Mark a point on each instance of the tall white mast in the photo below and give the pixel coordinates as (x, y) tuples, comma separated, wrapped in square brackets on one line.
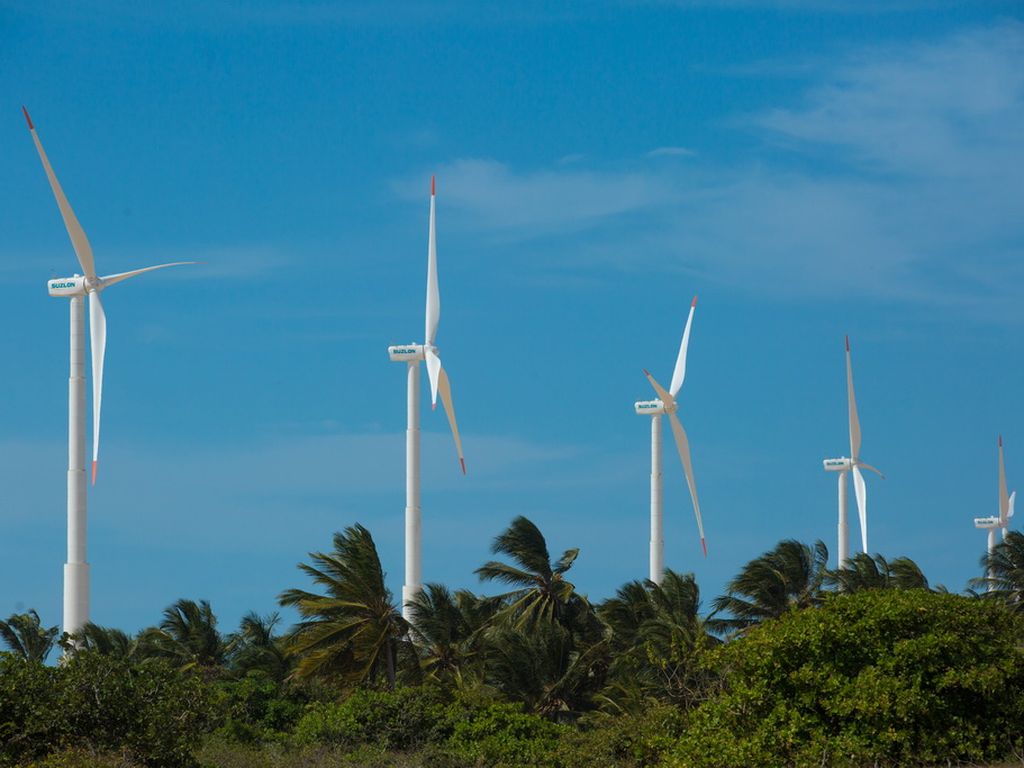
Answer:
[(76, 569)]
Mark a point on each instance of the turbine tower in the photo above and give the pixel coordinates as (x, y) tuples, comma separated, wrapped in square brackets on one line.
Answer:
[(853, 463), (666, 404), (75, 288), (411, 355), (1002, 520)]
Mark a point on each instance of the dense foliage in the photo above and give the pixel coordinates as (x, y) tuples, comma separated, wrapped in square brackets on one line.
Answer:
[(796, 665)]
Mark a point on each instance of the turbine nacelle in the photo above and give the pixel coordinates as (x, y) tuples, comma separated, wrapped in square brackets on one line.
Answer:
[(410, 353), (66, 287), (987, 522), (649, 407), (838, 465)]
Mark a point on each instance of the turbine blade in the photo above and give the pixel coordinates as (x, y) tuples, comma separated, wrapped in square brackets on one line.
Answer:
[(1004, 499), (867, 466), (117, 278), (433, 294), (98, 346), (861, 492), (680, 372), (683, 445), (445, 388), (664, 396), (1009, 506), (78, 239), (854, 421), (433, 373)]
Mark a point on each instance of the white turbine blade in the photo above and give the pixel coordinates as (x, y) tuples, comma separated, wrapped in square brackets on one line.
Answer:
[(98, 346), (861, 492), (433, 373), (664, 396), (1009, 507), (854, 421), (680, 372), (111, 279), (864, 465), (683, 445), (433, 294), (1004, 499), (445, 388), (78, 239)]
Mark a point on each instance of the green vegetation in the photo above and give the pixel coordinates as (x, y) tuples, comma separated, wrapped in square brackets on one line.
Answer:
[(796, 665)]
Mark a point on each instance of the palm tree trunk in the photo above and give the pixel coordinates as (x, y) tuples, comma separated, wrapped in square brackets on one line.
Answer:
[(390, 660)]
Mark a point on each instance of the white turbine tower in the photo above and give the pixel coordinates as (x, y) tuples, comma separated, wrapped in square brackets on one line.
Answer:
[(666, 403), (411, 355), (1002, 520), (75, 288), (844, 465)]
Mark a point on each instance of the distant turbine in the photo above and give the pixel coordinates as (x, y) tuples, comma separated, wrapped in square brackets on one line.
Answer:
[(655, 408), (76, 569), (844, 465), (1002, 520), (411, 354)]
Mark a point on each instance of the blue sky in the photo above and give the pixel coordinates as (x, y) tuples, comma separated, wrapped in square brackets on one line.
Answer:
[(810, 168)]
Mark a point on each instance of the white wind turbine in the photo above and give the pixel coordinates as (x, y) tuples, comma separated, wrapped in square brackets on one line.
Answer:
[(76, 569), (411, 355), (843, 465), (1002, 520), (666, 403)]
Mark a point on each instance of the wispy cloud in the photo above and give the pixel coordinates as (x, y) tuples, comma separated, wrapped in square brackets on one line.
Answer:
[(671, 152), (895, 176)]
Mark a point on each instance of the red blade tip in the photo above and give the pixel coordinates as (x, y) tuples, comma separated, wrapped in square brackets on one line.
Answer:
[(28, 119), (646, 373), (433, 406), (704, 546), (433, 186), (847, 343), (694, 302), (94, 472), (1000, 441), (462, 461)]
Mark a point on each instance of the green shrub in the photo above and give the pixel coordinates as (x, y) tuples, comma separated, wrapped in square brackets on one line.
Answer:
[(402, 720), (502, 735), (28, 727), (887, 677)]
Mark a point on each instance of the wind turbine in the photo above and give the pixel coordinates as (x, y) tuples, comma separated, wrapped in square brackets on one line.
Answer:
[(75, 288), (411, 355), (1002, 520), (666, 403), (843, 465)]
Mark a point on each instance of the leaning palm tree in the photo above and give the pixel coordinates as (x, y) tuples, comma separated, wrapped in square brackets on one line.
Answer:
[(862, 571), (105, 641), (25, 636), (789, 576), (448, 629), (541, 593), (656, 633), (1004, 569), (188, 636), (255, 646), (354, 628)]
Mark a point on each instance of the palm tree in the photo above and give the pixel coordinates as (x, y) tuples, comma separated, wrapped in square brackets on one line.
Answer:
[(448, 631), (25, 636), (1004, 569), (789, 576), (106, 641), (541, 592), (656, 632), (255, 646), (187, 635), (863, 571), (354, 628)]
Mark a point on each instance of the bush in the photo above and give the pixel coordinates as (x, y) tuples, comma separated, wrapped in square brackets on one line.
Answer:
[(502, 735), (887, 677), (401, 720), (28, 727), (257, 708)]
